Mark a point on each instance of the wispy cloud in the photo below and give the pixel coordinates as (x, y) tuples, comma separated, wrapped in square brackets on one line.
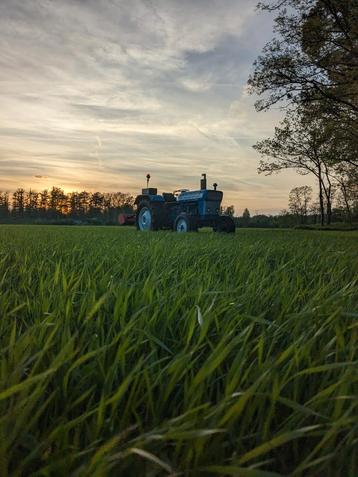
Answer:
[(94, 94)]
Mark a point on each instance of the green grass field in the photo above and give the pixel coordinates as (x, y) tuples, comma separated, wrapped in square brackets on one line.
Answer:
[(132, 354)]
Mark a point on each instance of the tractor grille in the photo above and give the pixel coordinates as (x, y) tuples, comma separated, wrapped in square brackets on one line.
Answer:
[(211, 207)]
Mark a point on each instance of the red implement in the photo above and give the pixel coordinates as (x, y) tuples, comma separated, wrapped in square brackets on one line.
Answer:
[(126, 219)]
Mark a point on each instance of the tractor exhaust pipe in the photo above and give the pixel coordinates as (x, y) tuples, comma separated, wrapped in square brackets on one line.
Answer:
[(203, 182)]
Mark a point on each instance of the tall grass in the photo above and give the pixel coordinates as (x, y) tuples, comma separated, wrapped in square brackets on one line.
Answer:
[(129, 354)]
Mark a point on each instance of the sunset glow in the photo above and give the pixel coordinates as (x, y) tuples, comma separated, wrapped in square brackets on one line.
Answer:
[(95, 94)]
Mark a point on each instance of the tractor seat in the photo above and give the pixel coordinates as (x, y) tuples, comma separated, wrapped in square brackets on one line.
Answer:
[(169, 197)]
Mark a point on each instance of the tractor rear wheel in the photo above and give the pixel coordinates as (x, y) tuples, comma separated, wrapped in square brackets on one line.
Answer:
[(225, 224), (185, 223), (148, 216)]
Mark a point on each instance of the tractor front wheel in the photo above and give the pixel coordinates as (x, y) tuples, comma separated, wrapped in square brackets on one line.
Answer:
[(185, 223)]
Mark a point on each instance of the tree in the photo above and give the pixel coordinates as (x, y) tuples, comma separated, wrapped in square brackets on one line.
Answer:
[(302, 142), (121, 201), (285, 219), (314, 55), (299, 201), (229, 210), (58, 201), (18, 202), (246, 217), (96, 204), (74, 204), (117, 202), (43, 202), (313, 60), (4, 205), (84, 199), (31, 203), (315, 211), (346, 177)]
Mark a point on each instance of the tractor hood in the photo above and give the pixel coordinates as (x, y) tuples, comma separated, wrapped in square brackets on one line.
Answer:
[(212, 195)]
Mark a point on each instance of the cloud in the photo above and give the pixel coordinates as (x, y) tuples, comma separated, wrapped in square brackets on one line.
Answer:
[(195, 85), (106, 112), (94, 94)]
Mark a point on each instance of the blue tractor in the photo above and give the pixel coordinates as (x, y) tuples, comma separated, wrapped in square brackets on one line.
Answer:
[(183, 210)]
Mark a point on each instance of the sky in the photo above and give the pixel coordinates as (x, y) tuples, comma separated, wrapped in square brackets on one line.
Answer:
[(94, 94)]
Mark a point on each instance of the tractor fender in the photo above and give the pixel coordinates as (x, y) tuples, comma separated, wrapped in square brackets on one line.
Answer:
[(141, 197), (149, 198)]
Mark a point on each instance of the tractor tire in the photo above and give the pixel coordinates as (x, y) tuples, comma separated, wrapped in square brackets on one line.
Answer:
[(148, 216), (185, 223), (225, 224)]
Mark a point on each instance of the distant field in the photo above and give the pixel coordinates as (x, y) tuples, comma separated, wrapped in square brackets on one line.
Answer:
[(130, 354)]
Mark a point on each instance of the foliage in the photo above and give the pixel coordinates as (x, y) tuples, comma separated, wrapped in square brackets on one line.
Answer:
[(346, 177), (246, 217), (299, 201), (311, 68), (168, 354), (229, 210), (304, 143), (246, 214), (313, 57), (56, 206)]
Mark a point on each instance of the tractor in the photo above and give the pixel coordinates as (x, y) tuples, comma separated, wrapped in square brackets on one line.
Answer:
[(182, 210)]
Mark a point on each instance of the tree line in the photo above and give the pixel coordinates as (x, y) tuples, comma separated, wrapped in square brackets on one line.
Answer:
[(303, 210), (343, 205), (56, 206), (310, 69)]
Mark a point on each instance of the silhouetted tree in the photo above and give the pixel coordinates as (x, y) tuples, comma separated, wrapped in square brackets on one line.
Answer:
[(58, 203), (96, 204), (299, 201), (18, 202), (116, 203), (74, 204), (313, 59), (311, 67), (44, 198), (304, 144), (315, 211), (229, 210), (4, 205), (84, 202), (31, 203), (53, 205), (346, 177), (246, 217)]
